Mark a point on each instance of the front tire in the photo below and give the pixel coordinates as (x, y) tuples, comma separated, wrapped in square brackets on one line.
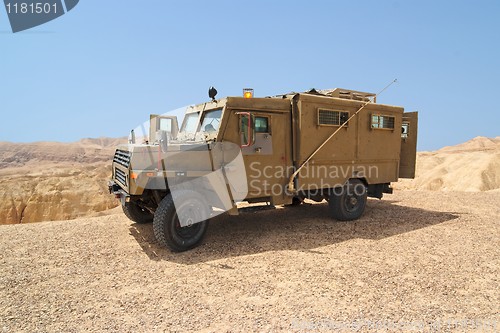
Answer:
[(348, 203), (166, 223), (136, 213)]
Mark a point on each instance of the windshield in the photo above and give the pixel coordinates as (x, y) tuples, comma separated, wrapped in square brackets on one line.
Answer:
[(192, 130), (211, 121), (190, 123)]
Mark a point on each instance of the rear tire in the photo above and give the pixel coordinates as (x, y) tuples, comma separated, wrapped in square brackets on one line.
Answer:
[(348, 203), (136, 213), (166, 225)]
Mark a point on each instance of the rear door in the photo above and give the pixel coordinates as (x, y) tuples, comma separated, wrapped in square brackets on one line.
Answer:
[(408, 156)]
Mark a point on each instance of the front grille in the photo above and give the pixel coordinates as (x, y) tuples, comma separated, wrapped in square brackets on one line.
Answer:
[(122, 157), (120, 176)]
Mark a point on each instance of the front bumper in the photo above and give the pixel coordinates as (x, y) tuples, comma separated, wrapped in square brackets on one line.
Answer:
[(119, 193)]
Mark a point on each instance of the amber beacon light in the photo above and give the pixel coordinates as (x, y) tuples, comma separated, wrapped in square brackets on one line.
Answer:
[(248, 92)]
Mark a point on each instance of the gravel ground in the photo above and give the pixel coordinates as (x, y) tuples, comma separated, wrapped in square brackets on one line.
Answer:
[(416, 261)]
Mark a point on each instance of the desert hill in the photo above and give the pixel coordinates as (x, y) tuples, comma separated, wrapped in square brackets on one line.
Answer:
[(479, 143), (83, 151), (471, 166)]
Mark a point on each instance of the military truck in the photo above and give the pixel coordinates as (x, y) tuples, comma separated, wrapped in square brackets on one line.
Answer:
[(337, 145)]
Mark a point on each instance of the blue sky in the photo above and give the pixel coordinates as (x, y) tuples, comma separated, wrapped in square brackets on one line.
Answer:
[(102, 68)]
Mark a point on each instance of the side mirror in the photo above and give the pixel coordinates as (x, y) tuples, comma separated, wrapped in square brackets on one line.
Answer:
[(131, 137)]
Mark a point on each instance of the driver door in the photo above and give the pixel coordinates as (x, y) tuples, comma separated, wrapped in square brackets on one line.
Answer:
[(266, 152)]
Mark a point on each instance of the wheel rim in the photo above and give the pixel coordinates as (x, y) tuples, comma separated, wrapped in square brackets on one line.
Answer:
[(191, 213), (352, 198), (351, 202)]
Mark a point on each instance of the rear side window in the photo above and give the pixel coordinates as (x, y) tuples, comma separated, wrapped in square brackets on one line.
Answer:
[(382, 122), (332, 117)]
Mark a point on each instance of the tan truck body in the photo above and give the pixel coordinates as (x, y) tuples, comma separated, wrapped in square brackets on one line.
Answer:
[(277, 136)]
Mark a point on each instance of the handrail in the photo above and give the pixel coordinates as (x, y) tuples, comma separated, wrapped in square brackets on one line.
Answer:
[(250, 137)]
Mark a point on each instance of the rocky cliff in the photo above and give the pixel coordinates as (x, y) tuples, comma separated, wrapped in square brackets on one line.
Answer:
[(47, 181)]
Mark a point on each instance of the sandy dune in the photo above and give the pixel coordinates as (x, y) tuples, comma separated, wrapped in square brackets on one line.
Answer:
[(471, 166)]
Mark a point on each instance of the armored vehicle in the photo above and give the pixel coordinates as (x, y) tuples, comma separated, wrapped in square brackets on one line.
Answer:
[(336, 145)]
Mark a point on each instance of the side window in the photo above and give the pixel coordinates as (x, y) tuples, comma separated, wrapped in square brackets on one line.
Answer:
[(382, 122), (250, 125), (261, 125), (166, 124), (332, 117)]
